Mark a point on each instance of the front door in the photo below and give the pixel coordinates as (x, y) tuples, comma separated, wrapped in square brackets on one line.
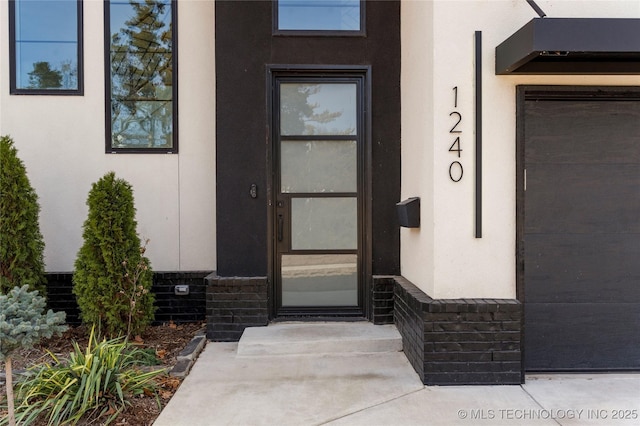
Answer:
[(318, 138)]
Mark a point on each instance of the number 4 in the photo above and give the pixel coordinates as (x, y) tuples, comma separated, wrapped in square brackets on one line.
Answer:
[(455, 147)]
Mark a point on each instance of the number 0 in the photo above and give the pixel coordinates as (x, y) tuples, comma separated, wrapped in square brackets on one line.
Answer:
[(456, 175)]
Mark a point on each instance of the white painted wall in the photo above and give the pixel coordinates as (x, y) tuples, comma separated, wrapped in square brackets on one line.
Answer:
[(442, 257), (61, 141), (417, 175)]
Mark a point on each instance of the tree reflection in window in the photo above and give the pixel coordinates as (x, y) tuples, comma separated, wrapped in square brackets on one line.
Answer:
[(44, 77), (310, 161), (141, 53), (46, 46), (317, 109)]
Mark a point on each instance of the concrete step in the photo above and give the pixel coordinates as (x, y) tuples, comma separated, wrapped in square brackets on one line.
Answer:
[(300, 338)]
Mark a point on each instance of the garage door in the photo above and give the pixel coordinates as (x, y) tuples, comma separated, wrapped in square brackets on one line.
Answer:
[(581, 230)]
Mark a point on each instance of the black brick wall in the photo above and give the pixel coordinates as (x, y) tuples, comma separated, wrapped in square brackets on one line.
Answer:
[(60, 296), (189, 308), (233, 304), (460, 341), (383, 299)]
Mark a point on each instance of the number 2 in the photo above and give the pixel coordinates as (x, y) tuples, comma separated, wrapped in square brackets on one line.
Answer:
[(453, 129)]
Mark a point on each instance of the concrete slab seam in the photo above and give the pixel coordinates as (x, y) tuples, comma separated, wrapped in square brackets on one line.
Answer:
[(536, 401), (369, 407)]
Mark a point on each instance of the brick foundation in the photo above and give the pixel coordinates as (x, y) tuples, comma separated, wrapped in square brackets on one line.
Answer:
[(383, 299), (460, 341), (189, 308), (233, 304)]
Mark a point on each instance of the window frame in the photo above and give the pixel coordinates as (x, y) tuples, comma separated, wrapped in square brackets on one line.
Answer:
[(13, 89), (322, 33), (109, 149)]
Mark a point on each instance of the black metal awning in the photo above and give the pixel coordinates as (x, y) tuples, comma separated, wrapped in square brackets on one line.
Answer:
[(572, 46)]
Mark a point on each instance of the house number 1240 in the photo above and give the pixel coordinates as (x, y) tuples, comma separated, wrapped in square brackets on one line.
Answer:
[(455, 168)]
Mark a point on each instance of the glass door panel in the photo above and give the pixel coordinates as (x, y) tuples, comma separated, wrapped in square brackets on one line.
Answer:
[(319, 280), (318, 228), (318, 109), (319, 166), (324, 223)]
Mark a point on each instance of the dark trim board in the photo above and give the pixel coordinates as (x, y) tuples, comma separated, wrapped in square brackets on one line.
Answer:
[(478, 133), (577, 225)]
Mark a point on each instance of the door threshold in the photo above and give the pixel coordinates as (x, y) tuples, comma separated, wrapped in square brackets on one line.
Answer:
[(316, 318)]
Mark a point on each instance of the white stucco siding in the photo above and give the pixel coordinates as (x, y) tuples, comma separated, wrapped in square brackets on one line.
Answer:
[(61, 140), (442, 257), (417, 256)]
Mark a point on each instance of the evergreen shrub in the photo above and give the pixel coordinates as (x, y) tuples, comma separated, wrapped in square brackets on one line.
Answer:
[(21, 243), (22, 324), (112, 278)]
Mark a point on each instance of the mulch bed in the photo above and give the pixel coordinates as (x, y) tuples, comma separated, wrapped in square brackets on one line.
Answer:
[(167, 340)]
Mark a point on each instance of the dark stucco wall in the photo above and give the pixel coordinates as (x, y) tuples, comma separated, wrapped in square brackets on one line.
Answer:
[(245, 46)]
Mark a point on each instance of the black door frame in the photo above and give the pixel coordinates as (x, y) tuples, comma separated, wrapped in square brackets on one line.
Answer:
[(547, 92), (364, 205)]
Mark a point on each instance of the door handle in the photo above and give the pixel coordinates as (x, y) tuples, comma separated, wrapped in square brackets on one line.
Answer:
[(280, 227)]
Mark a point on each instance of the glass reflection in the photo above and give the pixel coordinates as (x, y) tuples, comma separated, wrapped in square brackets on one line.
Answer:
[(46, 35), (318, 109), (324, 223), (141, 74), (318, 166), (319, 15), (319, 280)]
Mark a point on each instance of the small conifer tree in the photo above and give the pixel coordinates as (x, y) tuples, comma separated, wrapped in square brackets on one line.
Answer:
[(22, 324), (21, 243), (113, 278)]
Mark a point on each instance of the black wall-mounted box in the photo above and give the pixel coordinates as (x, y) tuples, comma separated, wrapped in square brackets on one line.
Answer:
[(409, 212)]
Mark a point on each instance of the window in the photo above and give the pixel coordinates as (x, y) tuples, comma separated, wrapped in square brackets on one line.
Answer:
[(45, 44), (319, 16), (141, 89)]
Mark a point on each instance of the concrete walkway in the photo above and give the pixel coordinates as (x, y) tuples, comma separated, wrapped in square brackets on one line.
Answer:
[(364, 384)]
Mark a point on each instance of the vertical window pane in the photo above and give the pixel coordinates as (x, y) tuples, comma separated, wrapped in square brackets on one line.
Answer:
[(141, 59), (319, 15), (318, 109), (46, 44)]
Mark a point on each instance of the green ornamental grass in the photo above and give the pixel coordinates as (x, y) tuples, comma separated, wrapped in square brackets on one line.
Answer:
[(95, 384)]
